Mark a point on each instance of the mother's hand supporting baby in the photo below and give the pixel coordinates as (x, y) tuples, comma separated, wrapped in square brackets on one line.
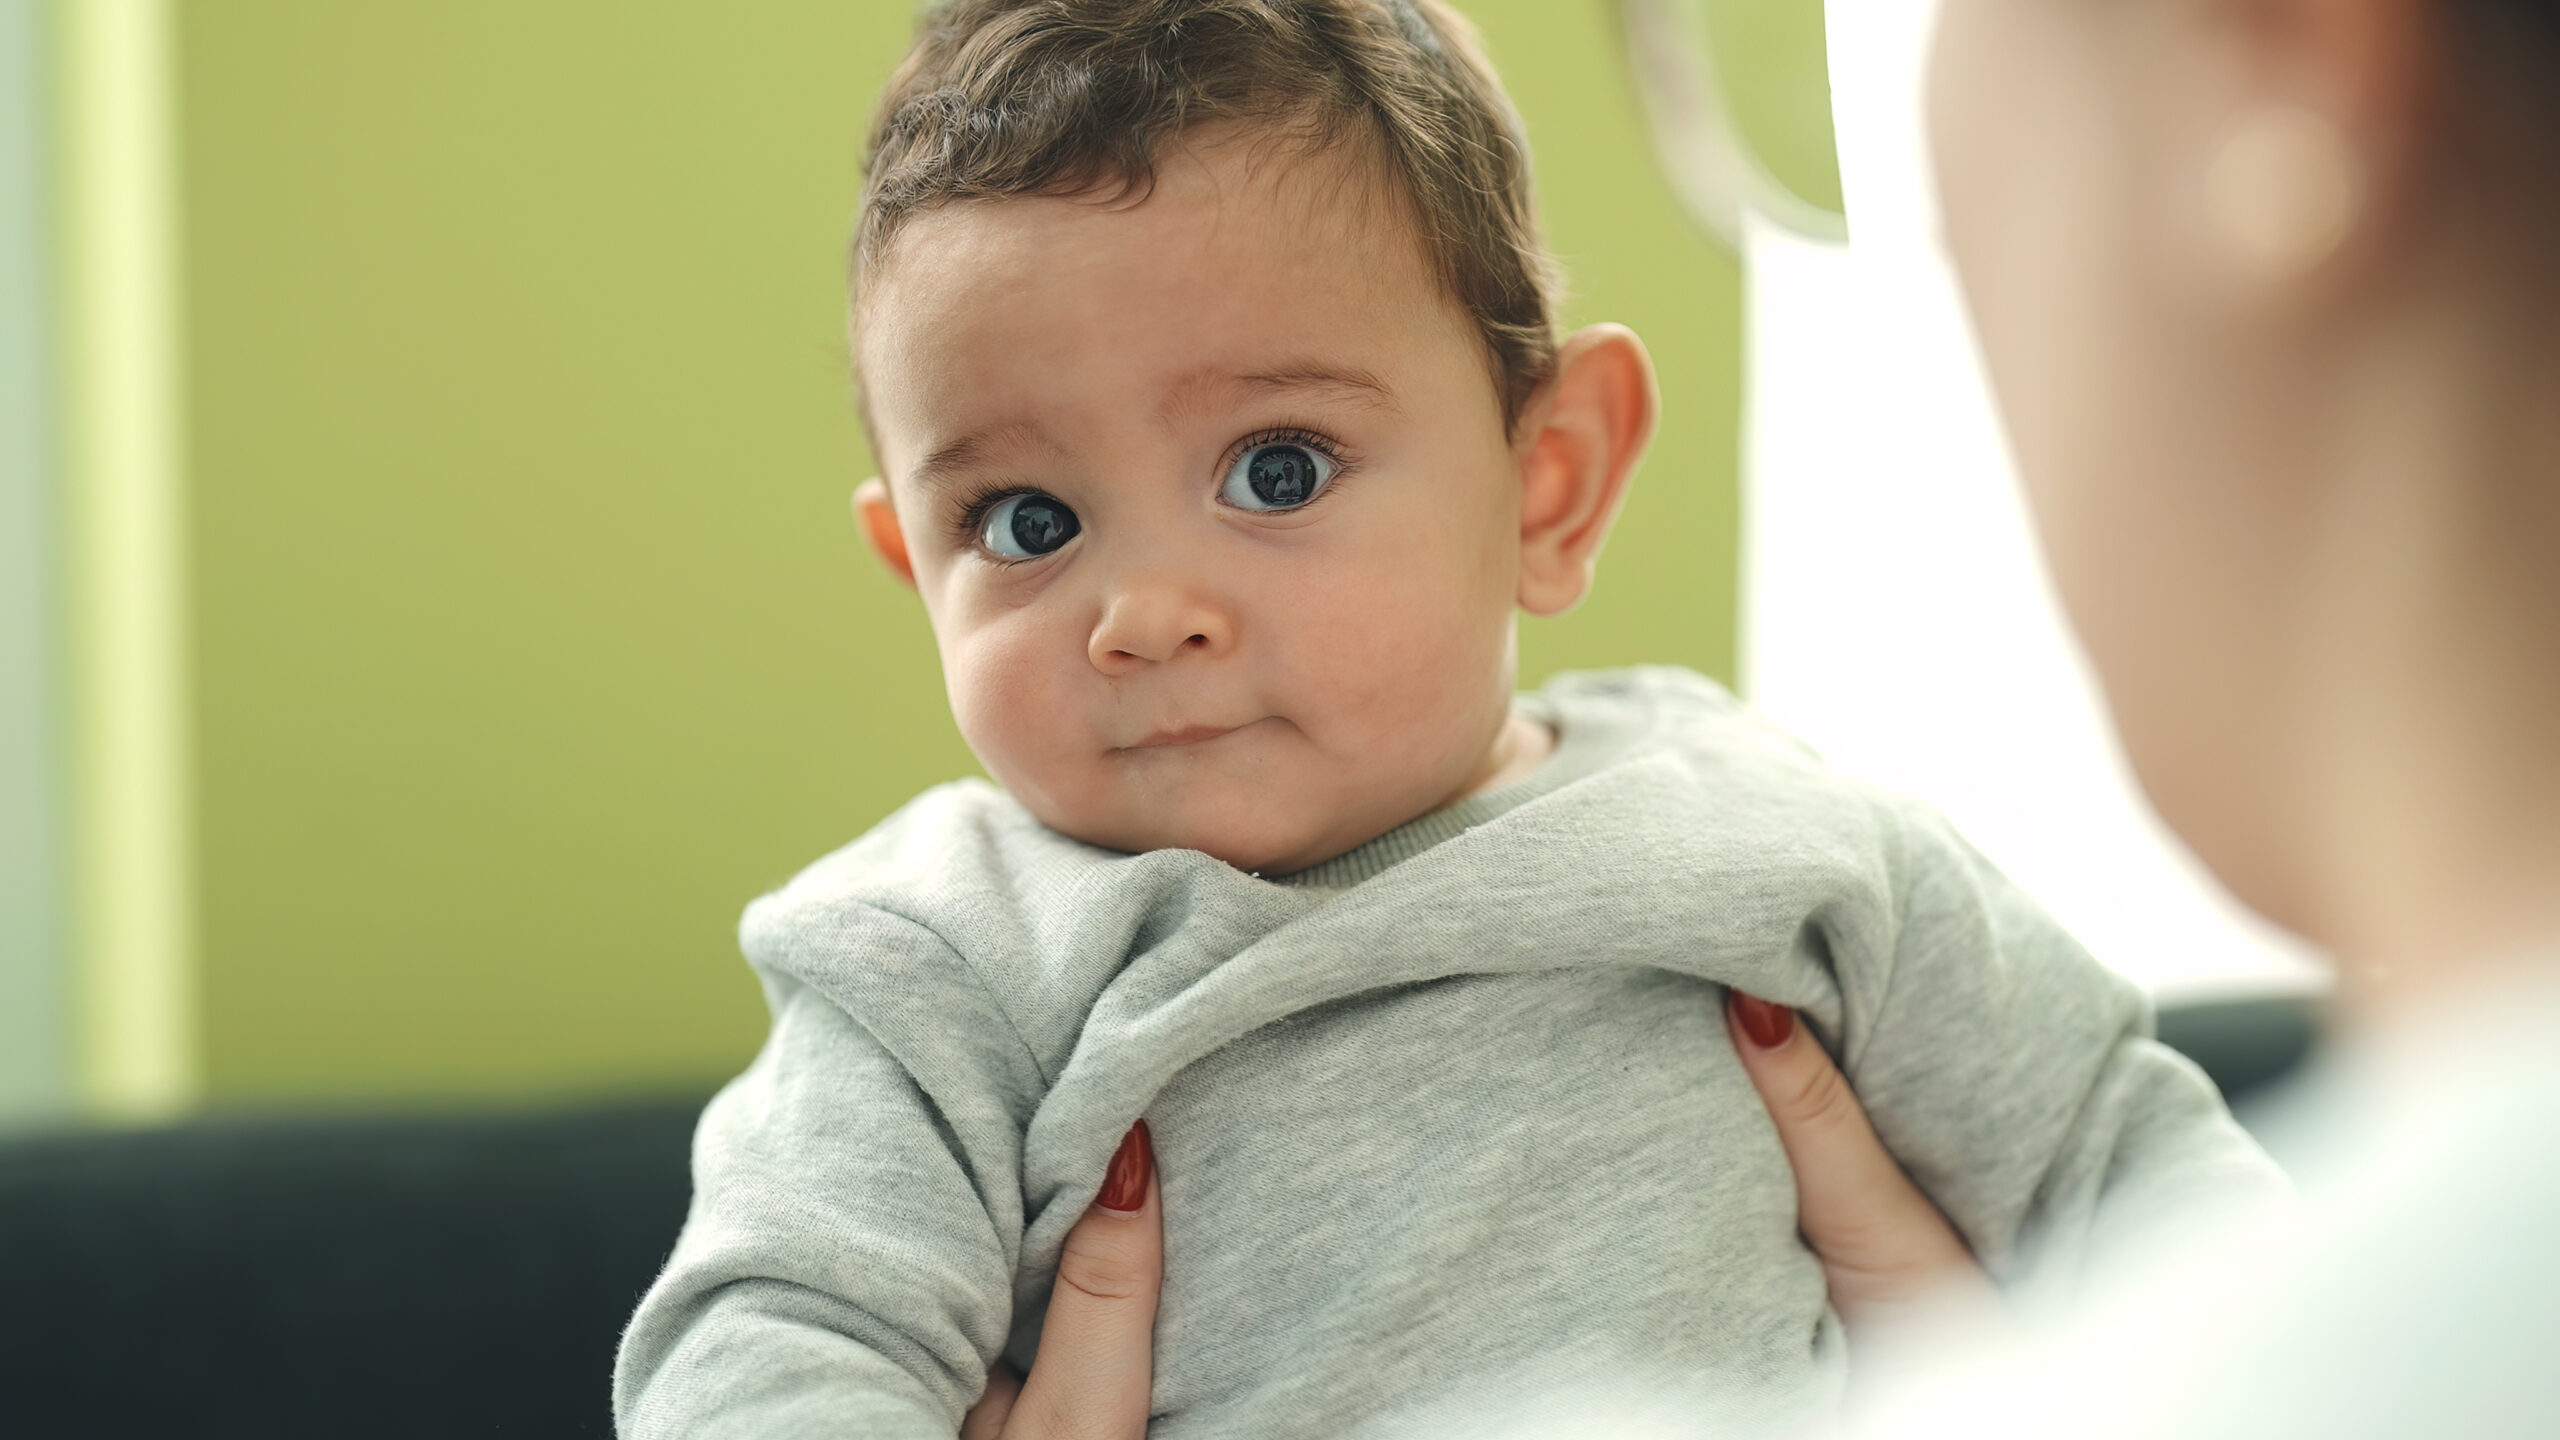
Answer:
[(1885, 1250), (1096, 1369)]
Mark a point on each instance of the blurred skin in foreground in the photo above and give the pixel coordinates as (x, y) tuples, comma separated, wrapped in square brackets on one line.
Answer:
[(2266, 294)]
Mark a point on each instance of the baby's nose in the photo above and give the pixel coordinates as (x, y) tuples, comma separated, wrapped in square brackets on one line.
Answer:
[(1151, 620)]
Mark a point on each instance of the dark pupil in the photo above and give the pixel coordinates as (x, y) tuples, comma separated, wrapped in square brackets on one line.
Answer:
[(1281, 474), (1041, 525)]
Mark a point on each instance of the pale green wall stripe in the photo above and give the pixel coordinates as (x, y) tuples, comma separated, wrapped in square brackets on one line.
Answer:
[(131, 787), (34, 1007)]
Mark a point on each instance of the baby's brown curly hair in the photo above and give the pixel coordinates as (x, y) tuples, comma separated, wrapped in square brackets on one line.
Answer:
[(1004, 98)]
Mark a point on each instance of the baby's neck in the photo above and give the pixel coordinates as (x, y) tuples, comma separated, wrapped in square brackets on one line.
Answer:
[(1517, 750), (1514, 756)]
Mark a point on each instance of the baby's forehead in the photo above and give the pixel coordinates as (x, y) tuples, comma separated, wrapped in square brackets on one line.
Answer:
[(1243, 269), (1336, 212)]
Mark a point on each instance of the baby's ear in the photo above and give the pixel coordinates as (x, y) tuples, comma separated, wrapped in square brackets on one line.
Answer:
[(1581, 438), (879, 521)]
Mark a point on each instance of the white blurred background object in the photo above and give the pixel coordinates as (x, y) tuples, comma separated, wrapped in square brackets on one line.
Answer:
[(1895, 611)]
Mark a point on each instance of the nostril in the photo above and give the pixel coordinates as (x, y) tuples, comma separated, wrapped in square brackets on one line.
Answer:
[(1196, 640)]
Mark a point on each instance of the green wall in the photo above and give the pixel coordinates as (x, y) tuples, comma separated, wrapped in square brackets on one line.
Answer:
[(35, 1009), (531, 635)]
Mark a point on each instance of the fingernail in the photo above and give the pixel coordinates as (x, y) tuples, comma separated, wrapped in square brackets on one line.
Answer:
[(1124, 1185), (1767, 1025)]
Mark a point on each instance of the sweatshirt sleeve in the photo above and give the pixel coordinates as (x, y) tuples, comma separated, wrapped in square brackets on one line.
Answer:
[(846, 1267), (2017, 1081)]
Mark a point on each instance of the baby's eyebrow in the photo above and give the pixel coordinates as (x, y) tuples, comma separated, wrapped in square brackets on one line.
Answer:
[(953, 458), (1344, 384), (1348, 384)]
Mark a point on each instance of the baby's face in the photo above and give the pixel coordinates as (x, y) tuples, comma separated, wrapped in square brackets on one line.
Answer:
[(1210, 500)]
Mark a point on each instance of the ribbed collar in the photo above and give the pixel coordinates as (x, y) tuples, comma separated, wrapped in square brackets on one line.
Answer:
[(1578, 752)]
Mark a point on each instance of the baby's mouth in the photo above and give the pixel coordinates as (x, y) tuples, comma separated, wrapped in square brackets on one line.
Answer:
[(1187, 735)]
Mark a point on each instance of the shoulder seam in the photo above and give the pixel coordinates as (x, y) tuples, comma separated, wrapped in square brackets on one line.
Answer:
[(966, 964), (995, 997)]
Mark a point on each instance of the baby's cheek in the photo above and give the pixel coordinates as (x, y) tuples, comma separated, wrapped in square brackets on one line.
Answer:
[(1419, 645), (1013, 703)]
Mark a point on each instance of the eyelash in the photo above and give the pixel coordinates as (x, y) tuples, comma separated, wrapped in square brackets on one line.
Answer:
[(971, 517)]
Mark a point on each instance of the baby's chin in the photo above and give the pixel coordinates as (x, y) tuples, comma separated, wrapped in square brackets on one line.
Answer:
[(1258, 838)]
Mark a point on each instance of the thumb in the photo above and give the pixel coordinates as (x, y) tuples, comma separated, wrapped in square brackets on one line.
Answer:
[(1883, 1245), (1095, 1373)]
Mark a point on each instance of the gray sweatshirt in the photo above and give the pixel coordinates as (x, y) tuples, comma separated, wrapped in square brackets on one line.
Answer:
[(1455, 1109)]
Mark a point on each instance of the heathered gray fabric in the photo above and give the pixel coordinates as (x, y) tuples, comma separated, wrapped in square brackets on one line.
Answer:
[(1460, 1104)]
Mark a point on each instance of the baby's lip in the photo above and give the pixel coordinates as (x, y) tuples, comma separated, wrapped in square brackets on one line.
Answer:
[(1186, 735)]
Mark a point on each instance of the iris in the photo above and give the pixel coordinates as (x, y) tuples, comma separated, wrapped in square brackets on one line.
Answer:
[(1024, 526)]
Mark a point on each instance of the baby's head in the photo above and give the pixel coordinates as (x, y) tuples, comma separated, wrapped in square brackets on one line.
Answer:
[(1209, 357)]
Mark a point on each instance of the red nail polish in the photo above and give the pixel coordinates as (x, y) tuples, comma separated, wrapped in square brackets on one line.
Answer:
[(1124, 1185), (1767, 1025)]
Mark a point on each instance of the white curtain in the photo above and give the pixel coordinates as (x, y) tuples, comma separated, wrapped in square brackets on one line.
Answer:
[(1895, 611)]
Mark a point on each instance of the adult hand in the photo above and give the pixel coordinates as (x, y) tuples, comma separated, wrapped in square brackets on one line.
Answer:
[(1885, 1250), (1096, 1367)]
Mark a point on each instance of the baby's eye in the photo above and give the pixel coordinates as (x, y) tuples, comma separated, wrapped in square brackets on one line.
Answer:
[(1025, 527), (1275, 477)]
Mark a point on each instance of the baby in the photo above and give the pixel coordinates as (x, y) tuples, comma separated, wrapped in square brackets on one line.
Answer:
[(1208, 352)]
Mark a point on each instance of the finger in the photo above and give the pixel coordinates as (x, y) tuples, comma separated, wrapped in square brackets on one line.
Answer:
[(1096, 1369), (1880, 1239), (985, 1420)]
